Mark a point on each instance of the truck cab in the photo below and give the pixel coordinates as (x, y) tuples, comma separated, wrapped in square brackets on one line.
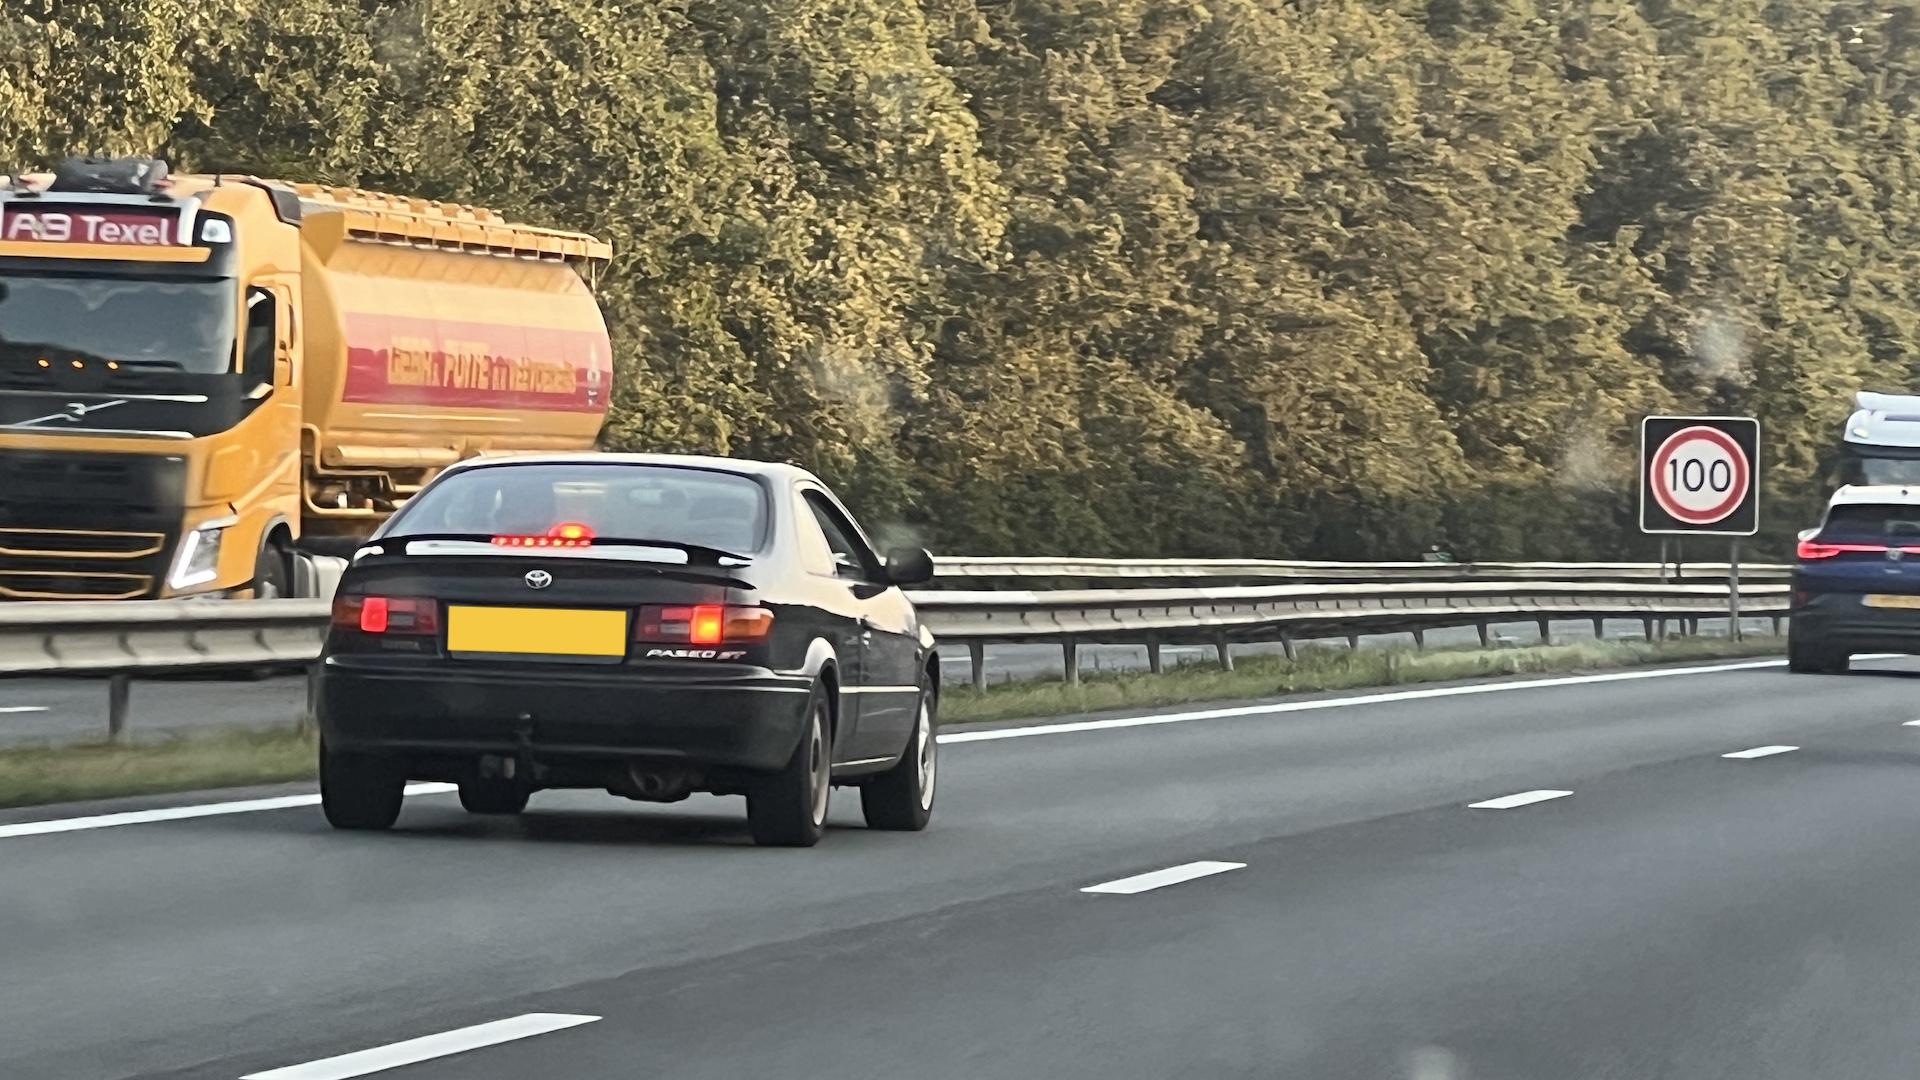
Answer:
[(1881, 444), (204, 379)]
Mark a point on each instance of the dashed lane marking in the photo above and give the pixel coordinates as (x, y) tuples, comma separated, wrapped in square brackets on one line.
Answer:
[(1524, 798), (1160, 879)]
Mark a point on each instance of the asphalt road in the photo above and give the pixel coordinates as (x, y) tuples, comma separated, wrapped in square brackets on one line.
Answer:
[(39, 711), (1653, 909)]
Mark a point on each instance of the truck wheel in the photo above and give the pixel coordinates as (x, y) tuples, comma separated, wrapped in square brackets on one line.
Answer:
[(272, 574), (789, 808), (359, 791), (493, 797), (901, 799)]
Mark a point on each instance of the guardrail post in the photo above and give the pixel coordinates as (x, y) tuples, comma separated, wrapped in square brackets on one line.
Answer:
[(1486, 633), (977, 653), (1070, 654), (1419, 638), (1153, 657), (1226, 653), (1353, 641), (1776, 626), (1286, 646), (1546, 631), (1648, 624), (1599, 629), (117, 687), (1693, 627)]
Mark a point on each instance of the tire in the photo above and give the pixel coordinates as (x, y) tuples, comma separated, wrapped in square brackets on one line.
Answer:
[(359, 791), (272, 573), (789, 808), (493, 797), (1806, 659), (901, 799)]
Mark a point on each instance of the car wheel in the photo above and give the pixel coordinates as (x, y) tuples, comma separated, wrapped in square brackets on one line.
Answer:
[(1806, 659), (359, 791), (789, 808), (493, 797), (901, 798)]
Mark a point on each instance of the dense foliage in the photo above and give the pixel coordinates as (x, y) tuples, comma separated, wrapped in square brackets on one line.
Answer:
[(1311, 277)]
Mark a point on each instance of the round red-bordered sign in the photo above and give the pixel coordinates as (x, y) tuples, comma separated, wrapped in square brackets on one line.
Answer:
[(1685, 469)]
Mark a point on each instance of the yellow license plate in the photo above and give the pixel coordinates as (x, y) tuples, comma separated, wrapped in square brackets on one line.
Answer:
[(523, 631), (1886, 600)]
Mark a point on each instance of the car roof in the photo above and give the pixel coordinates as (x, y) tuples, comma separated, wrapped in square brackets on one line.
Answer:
[(1883, 494), (742, 466)]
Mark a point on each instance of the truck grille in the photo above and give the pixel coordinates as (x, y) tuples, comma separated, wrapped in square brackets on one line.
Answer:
[(79, 526)]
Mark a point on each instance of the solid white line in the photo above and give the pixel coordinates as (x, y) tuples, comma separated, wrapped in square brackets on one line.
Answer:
[(1911, 723), (1525, 798), (1347, 702), (22, 708), (1760, 751), (426, 1048), (181, 813), (1160, 879)]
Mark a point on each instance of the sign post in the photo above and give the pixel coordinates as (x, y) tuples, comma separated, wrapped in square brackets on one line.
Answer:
[(1699, 475)]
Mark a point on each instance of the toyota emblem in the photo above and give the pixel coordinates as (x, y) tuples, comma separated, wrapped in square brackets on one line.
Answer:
[(538, 579)]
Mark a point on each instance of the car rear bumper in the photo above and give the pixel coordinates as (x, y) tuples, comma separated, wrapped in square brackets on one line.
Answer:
[(749, 720), (1842, 619)]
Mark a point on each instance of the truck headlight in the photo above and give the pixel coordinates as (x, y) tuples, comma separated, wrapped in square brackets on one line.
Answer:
[(199, 559)]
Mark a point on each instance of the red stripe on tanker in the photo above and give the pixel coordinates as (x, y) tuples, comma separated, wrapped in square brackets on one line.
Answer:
[(409, 360)]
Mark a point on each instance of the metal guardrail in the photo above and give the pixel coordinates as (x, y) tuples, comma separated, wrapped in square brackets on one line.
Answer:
[(121, 639), (965, 568), (1291, 613)]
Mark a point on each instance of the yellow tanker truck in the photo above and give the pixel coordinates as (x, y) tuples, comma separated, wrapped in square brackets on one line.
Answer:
[(206, 381)]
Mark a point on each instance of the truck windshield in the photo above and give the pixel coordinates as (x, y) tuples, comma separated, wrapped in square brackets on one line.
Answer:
[(180, 323), (1886, 470)]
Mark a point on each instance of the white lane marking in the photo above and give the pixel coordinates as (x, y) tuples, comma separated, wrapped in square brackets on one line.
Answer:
[(182, 813), (1760, 751), (426, 1048), (22, 708), (1525, 798), (1911, 723), (1160, 879), (1347, 702)]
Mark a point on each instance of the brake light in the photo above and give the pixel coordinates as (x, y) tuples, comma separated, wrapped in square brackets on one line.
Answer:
[(387, 614), (1813, 550), (567, 534), (708, 625), (703, 624)]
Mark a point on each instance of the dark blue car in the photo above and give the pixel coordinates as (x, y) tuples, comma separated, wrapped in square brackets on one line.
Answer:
[(1856, 585)]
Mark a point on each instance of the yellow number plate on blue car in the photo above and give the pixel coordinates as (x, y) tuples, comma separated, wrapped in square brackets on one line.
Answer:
[(1889, 600), (524, 631)]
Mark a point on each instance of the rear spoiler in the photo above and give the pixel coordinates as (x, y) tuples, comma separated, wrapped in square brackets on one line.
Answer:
[(397, 545)]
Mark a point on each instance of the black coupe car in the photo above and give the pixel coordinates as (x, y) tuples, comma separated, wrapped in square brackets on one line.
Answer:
[(652, 625)]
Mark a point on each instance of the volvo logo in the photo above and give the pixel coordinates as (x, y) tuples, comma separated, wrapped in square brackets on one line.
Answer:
[(538, 579)]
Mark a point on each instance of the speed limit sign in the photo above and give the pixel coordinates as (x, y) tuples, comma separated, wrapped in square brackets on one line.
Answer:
[(1699, 474)]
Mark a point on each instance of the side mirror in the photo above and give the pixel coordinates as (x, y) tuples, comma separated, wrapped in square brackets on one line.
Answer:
[(909, 566)]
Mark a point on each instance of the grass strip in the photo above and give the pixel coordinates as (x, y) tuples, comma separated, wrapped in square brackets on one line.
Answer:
[(204, 761), (32, 775)]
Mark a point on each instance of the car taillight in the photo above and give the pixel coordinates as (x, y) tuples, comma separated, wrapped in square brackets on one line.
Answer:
[(387, 614), (1814, 549), (703, 624)]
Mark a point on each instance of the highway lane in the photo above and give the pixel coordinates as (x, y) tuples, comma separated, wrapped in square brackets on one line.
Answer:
[(39, 711), (1378, 921)]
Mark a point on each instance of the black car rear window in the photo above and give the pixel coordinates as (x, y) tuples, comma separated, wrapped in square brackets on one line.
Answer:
[(1873, 519), (635, 502)]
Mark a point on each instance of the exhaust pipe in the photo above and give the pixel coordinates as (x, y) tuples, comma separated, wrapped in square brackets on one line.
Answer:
[(653, 783)]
